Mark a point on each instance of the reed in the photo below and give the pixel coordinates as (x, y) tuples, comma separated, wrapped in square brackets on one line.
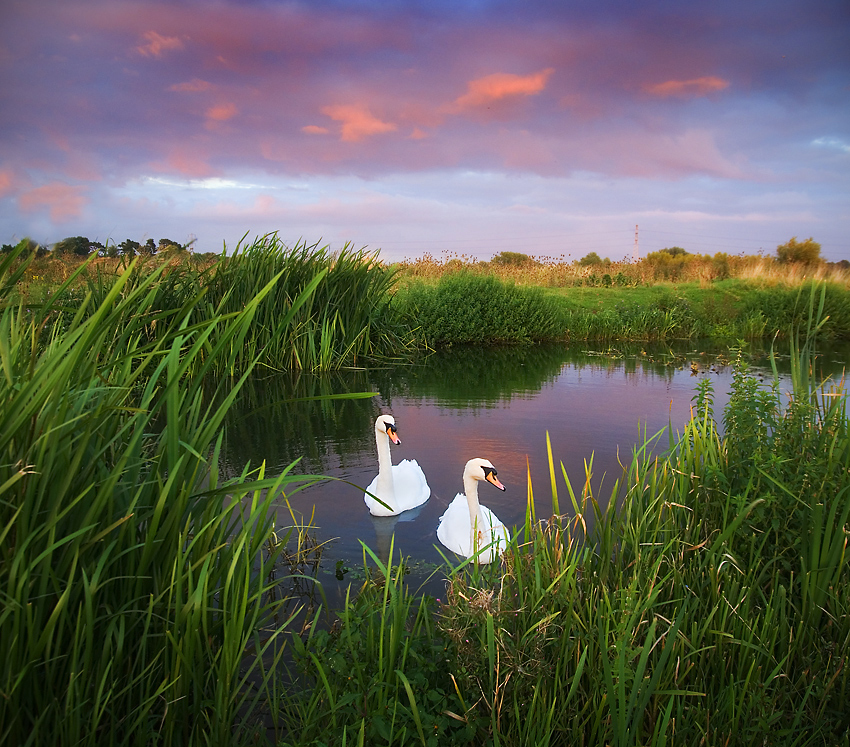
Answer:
[(135, 578), (346, 321), (656, 268), (468, 308)]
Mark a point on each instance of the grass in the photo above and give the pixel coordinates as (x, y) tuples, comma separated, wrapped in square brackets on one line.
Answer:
[(140, 592), (142, 597)]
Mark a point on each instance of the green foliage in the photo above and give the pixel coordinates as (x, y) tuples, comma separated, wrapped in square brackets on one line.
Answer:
[(383, 672), (137, 582), (129, 248), (592, 258), (512, 259), (669, 264), (805, 252), (467, 308), (348, 320), (78, 245)]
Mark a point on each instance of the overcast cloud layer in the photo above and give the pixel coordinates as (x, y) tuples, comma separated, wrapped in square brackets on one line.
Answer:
[(550, 128)]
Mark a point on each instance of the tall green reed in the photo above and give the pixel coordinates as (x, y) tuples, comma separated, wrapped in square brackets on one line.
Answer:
[(134, 577), (347, 321)]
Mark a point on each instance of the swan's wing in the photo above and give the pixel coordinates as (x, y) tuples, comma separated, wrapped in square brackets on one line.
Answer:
[(411, 487)]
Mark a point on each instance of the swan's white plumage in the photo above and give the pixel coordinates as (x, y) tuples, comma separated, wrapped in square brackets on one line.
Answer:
[(400, 486), (455, 528)]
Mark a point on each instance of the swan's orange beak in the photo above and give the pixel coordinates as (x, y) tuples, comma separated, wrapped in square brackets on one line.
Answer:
[(490, 476), (391, 432)]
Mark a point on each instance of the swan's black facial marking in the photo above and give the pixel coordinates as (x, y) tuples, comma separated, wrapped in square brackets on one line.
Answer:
[(393, 433), (490, 476)]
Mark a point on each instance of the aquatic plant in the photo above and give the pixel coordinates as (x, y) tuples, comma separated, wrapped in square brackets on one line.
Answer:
[(140, 597)]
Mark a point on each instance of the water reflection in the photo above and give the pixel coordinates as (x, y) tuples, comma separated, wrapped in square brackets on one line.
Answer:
[(497, 403)]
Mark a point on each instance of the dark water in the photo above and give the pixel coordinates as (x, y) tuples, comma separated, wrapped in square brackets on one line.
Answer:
[(497, 403)]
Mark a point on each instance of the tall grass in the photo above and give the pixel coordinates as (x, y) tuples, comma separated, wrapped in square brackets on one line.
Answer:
[(658, 267), (134, 578), (709, 604), (467, 308), (346, 319)]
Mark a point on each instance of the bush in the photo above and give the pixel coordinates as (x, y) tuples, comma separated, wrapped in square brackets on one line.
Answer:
[(468, 308), (805, 252)]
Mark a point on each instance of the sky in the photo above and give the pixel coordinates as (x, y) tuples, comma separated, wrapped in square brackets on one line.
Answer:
[(442, 127)]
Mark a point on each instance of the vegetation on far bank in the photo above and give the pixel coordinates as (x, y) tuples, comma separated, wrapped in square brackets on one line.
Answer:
[(366, 312)]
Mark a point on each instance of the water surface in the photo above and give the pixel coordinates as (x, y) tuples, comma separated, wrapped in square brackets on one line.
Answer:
[(497, 403)]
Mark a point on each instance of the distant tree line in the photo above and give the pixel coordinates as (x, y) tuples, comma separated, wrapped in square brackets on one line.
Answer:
[(82, 246), (792, 252)]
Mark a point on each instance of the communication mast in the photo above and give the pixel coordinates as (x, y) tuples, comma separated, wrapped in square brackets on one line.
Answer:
[(636, 250)]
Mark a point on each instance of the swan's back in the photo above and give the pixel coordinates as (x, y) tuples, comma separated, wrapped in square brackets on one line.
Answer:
[(410, 489)]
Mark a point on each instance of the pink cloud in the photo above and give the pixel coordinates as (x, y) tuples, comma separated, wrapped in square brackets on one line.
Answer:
[(191, 86), (357, 122), (5, 182), (62, 200), (221, 112), (155, 44), (187, 164), (314, 130), (499, 86), (687, 88)]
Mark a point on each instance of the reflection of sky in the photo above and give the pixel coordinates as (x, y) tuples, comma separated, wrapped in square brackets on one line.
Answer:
[(585, 411), (601, 411), (476, 128)]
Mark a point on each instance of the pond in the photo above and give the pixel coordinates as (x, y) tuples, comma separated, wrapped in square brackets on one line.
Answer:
[(496, 403)]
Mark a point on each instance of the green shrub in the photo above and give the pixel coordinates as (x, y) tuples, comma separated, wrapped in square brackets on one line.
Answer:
[(480, 309)]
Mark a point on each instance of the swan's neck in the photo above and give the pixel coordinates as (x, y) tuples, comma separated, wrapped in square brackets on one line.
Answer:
[(477, 536), (385, 468)]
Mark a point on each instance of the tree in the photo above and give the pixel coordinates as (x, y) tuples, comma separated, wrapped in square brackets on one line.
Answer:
[(512, 259), (79, 245), (168, 244), (593, 259), (675, 251), (30, 247), (805, 252), (149, 247), (129, 247)]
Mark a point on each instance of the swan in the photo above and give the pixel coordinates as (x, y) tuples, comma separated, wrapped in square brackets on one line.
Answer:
[(400, 486), (466, 523)]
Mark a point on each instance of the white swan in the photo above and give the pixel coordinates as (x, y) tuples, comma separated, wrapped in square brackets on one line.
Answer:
[(467, 524), (401, 486)]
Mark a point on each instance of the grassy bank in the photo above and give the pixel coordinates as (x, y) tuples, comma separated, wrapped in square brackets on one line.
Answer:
[(139, 590), (473, 307)]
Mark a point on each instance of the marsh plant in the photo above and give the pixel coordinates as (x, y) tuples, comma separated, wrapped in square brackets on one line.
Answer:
[(137, 582), (468, 308)]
